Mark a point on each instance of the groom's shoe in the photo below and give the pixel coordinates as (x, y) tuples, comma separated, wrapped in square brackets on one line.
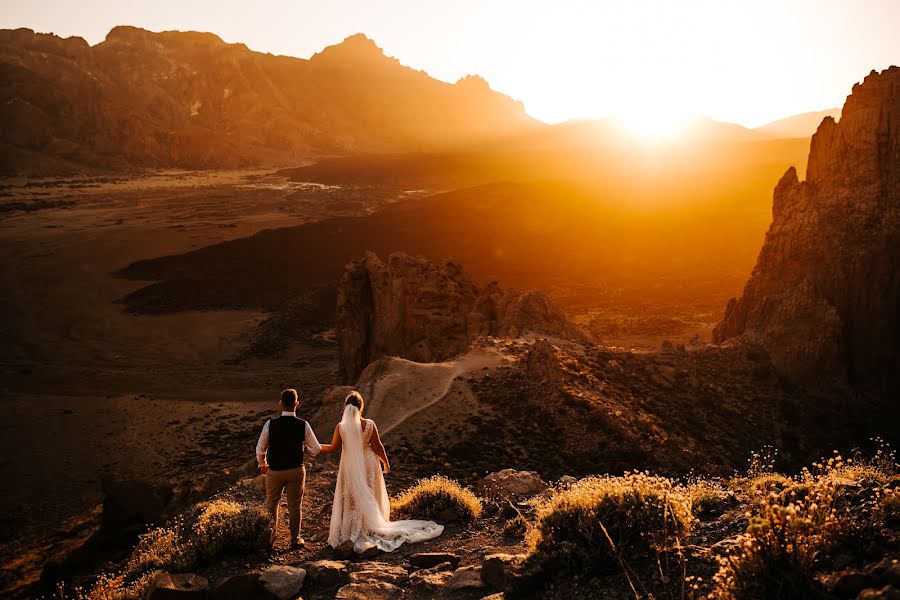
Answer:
[(297, 544)]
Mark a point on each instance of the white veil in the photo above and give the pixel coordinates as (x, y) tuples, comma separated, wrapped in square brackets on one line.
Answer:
[(360, 513)]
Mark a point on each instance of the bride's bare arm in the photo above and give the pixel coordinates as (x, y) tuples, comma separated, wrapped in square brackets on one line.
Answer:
[(378, 449), (335, 444)]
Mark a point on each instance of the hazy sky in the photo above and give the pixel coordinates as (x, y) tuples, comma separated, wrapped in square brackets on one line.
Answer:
[(746, 62)]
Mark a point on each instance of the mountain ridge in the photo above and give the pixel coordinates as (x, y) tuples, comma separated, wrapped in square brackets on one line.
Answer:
[(144, 99)]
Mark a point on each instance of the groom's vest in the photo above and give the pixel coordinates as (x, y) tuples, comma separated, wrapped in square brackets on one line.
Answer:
[(286, 438)]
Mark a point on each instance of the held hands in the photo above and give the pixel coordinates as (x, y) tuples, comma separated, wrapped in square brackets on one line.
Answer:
[(264, 469)]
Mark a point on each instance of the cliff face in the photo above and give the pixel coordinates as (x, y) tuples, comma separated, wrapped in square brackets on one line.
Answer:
[(824, 296), (189, 99), (415, 309)]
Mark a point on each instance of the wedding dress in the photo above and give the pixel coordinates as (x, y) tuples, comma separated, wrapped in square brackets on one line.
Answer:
[(361, 509)]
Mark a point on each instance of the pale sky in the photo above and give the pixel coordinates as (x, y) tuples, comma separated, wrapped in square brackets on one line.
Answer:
[(746, 62)]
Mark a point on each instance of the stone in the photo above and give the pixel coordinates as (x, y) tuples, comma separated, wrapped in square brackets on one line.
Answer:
[(888, 592), (326, 573), (850, 582), (185, 586), (822, 299), (241, 587), (370, 590), (426, 312), (283, 581), (567, 480), (426, 560), (498, 569), (344, 551), (433, 578), (511, 484), (380, 571), (466, 578)]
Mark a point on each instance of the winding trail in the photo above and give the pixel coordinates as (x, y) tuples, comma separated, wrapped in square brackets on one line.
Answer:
[(406, 388)]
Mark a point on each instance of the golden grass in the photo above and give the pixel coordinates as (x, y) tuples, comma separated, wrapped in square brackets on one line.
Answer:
[(437, 498), (834, 505), (216, 528), (600, 521)]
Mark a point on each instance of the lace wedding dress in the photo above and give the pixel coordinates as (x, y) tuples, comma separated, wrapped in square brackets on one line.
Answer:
[(361, 509)]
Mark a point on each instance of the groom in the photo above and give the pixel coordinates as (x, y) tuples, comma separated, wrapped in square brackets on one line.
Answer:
[(279, 454)]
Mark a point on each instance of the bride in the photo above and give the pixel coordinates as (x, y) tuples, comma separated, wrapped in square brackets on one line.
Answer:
[(361, 509)]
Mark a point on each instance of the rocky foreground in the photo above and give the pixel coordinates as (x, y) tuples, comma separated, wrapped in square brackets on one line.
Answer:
[(493, 556)]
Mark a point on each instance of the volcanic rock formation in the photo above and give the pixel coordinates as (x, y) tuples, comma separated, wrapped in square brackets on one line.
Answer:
[(415, 309), (824, 296), (189, 99)]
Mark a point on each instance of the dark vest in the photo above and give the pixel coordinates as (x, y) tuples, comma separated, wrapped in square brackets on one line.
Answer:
[(286, 438)]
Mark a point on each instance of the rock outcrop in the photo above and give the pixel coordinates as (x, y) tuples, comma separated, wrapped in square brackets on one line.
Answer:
[(824, 296), (426, 312), (189, 99)]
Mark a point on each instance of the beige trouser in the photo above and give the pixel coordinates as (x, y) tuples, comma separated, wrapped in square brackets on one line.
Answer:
[(292, 481)]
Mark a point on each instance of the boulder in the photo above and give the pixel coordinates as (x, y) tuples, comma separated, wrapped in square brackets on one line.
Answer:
[(283, 581), (379, 572), (511, 484), (344, 551), (185, 586), (432, 579), (326, 573), (241, 587), (370, 590), (497, 570), (466, 578), (888, 592), (426, 560)]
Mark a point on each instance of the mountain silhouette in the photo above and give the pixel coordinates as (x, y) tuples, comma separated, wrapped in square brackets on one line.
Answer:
[(188, 99)]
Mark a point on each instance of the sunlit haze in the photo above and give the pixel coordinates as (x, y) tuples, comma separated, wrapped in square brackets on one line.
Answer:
[(650, 63)]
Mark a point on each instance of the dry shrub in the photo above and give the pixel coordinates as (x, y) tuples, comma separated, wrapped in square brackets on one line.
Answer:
[(889, 509), (437, 498), (600, 520), (215, 528), (837, 504), (708, 496), (224, 526), (776, 557), (517, 527)]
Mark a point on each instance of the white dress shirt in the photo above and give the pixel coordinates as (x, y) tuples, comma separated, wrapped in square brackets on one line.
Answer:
[(311, 444)]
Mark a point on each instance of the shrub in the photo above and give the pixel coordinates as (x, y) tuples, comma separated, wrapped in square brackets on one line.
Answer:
[(708, 497), (775, 559), (517, 527), (438, 498), (597, 521), (889, 508), (215, 528), (763, 485), (835, 504), (224, 526)]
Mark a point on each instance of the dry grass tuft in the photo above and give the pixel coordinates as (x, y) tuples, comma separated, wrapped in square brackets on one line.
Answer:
[(214, 529), (835, 505), (437, 498), (600, 521)]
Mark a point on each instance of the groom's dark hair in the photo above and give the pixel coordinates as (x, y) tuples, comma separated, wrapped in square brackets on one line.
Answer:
[(289, 398)]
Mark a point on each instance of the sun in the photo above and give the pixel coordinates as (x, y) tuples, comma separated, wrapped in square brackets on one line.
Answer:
[(652, 124)]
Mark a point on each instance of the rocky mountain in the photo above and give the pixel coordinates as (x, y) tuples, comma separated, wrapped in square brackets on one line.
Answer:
[(415, 309), (188, 99), (796, 126), (823, 298)]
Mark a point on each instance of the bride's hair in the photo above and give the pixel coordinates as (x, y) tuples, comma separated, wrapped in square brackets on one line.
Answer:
[(356, 399)]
